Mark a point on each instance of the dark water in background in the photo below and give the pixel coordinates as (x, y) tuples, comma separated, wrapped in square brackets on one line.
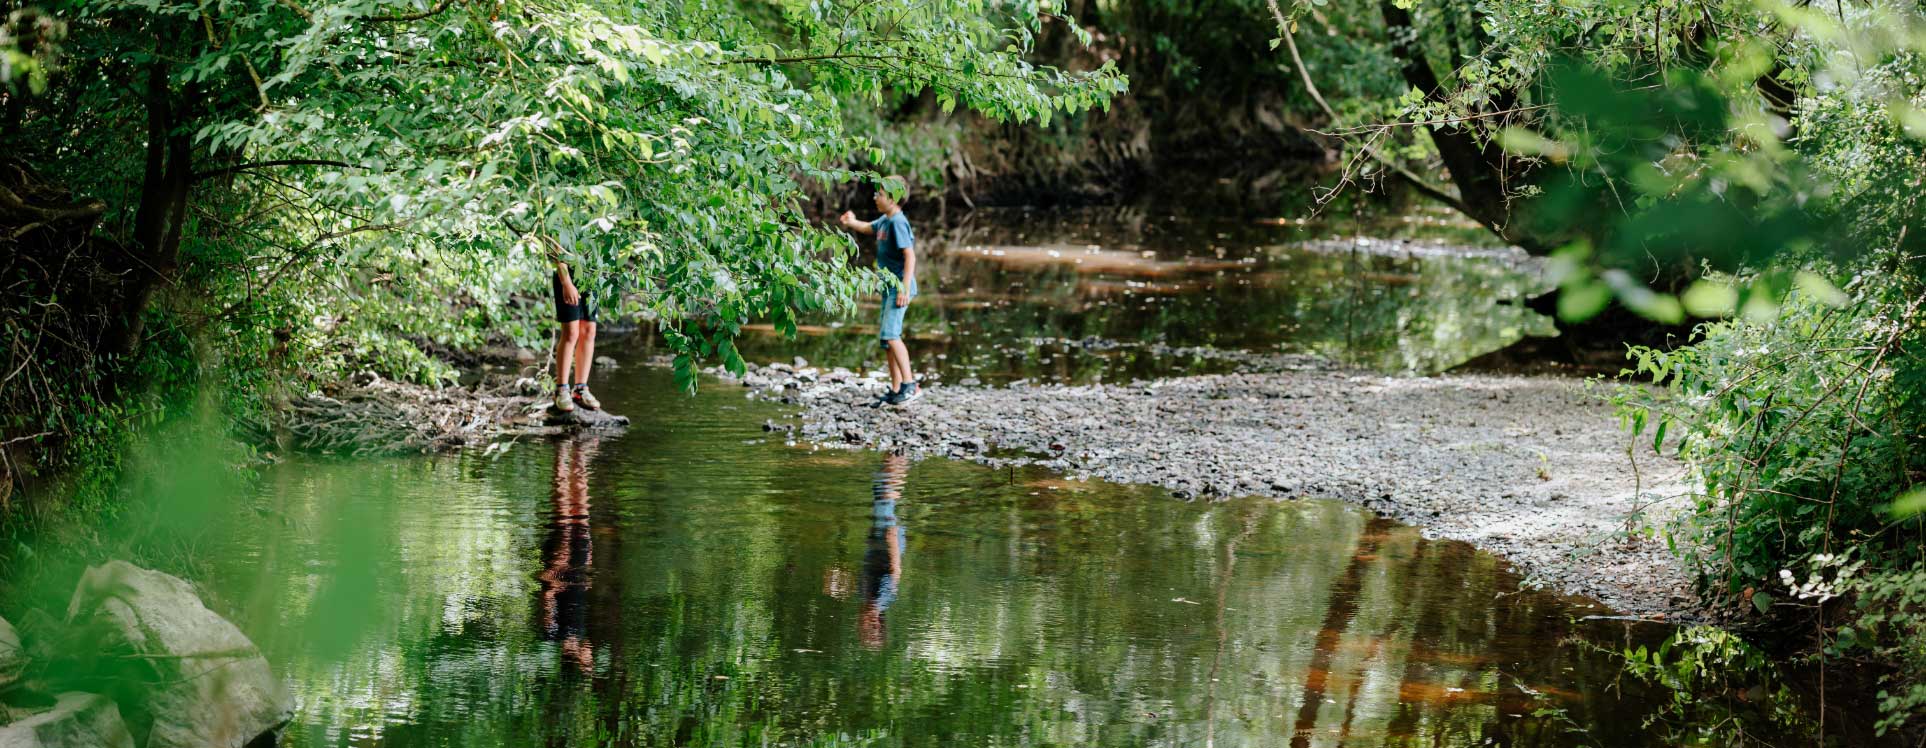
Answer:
[(1105, 294), (688, 583)]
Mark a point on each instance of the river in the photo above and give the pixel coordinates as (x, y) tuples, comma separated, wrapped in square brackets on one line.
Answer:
[(694, 582)]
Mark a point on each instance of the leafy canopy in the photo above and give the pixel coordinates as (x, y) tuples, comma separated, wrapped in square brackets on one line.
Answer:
[(382, 160)]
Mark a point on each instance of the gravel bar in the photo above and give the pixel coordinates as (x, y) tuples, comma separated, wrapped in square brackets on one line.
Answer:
[(1533, 469)]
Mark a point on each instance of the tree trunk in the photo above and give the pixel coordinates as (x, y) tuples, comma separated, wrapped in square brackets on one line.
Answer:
[(165, 185), (1481, 171)]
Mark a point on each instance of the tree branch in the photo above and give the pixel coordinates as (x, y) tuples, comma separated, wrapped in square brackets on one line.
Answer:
[(13, 208), (225, 170), (1310, 86), (405, 17)]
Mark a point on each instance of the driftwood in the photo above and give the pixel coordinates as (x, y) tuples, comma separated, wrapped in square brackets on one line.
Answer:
[(378, 416)]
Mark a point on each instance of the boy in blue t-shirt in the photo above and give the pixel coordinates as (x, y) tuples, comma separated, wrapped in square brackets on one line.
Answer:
[(894, 252)]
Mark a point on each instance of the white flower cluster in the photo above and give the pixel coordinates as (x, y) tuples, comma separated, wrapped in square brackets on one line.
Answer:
[(1817, 587)]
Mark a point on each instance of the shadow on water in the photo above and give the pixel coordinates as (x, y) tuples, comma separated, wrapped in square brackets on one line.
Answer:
[(1120, 293), (689, 583)]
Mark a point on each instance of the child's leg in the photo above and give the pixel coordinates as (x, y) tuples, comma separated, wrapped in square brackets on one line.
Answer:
[(890, 331), (584, 351), (565, 343), (889, 362), (899, 363)]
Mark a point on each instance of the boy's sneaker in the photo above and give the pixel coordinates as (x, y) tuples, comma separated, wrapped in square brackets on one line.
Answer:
[(910, 391), (564, 403), (586, 400), (886, 397)]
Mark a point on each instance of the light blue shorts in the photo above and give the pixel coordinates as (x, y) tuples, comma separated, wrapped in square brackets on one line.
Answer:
[(892, 324)]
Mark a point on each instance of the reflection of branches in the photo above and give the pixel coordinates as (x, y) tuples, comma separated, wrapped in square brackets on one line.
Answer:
[(1338, 615), (1217, 657)]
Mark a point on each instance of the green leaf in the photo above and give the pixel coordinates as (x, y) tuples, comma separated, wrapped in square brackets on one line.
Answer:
[(731, 359), (1583, 301), (1908, 504), (685, 373), (1762, 601), (1710, 298), (1815, 285)]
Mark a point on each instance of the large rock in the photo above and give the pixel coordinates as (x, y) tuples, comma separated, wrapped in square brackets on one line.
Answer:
[(13, 656), (583, 418), (206, 683), (78, 720)]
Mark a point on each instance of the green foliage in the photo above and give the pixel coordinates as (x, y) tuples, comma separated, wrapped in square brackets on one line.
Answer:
[(1808, 428), (1889, 624), (1800, 426), (1703, 670), (1643, 142), (363, 182), (29, 42), (384, 161), (1806, 419), (1650, 177)]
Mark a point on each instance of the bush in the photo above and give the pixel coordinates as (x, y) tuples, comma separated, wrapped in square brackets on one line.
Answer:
[(1805, 424)]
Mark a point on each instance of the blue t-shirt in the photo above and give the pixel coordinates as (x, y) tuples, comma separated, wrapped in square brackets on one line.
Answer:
[(893, 236)]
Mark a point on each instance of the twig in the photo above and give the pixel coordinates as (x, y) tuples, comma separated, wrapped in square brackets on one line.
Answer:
[(199, 176), (1310, 86)]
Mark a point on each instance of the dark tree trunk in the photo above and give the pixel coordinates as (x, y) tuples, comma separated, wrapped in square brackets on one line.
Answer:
[(1481, 171), (165, 186)]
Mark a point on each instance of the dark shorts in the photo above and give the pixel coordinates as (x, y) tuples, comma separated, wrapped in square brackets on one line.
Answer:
[(564, 312)]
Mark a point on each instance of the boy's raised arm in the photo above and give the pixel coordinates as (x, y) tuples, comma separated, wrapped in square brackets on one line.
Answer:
[(570, 294), (849, 221)]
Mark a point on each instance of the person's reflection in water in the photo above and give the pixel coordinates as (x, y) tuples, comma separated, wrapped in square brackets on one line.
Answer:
[(568, 554), (883, 559)]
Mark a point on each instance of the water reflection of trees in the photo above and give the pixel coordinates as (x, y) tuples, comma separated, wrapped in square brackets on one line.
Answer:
[(1045, 612)]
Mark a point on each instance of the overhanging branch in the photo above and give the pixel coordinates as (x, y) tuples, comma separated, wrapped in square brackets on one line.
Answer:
[(238, 168), (1304, 73), (405, 17)]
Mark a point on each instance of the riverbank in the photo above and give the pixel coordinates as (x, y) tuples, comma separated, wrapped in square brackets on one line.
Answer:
[(1532, 469)]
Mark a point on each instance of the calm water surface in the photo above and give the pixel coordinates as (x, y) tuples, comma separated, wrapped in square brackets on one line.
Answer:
[(688, 583), (693, 583), (1121, 293)]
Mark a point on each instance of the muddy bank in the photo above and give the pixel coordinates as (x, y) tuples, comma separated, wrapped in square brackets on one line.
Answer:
[(1532, 469)]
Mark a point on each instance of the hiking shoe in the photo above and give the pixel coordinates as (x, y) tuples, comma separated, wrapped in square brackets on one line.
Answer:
[(910, 391), (885, 397), (564, 403), (586, 400)]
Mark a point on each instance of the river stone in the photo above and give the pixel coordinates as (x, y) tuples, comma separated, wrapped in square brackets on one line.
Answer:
[(13, 657), (209, 685), (78, 720)]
